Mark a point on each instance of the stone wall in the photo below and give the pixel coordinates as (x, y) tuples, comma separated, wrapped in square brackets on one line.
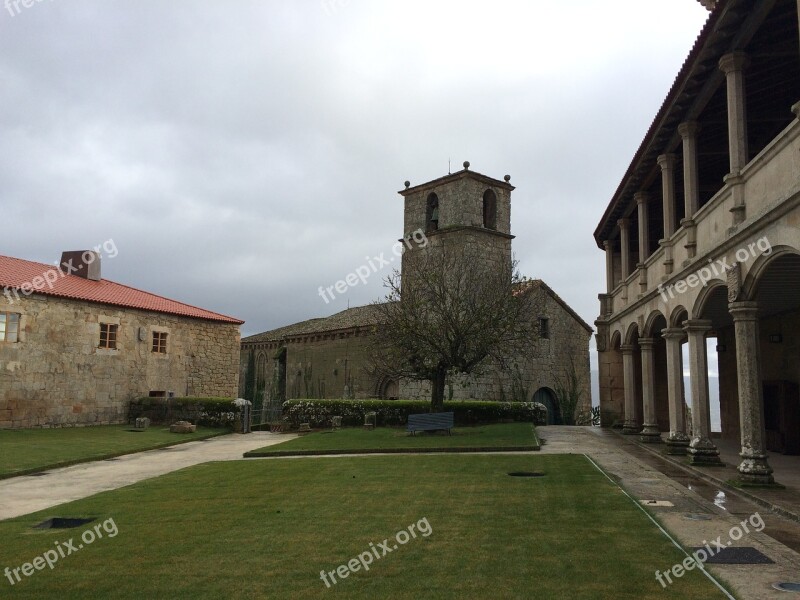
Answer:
[(548, 366), (56, 375)]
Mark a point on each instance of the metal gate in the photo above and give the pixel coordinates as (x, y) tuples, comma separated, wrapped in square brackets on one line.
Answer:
[(264, 413)]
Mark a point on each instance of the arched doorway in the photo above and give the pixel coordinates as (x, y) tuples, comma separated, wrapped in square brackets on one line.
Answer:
[(548, 398)]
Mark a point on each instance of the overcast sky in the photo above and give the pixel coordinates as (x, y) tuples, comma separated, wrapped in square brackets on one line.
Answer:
[(242, 154)]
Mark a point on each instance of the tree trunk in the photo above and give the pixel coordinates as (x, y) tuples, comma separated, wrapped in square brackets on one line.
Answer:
[(437, 390)]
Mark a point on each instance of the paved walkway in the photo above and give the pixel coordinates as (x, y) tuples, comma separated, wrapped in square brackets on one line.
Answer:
[(28, 493), (643, 480), (637, 470)]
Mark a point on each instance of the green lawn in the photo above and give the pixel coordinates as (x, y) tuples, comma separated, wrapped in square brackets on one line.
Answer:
[(29, 450), (265, 529), (508, 436)]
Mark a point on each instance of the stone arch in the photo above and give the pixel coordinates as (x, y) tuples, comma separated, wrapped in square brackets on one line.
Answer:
[(616, 340), (701, 302), (678, 316), (546, 396), (760, 267), (651, 322), (632, 334)]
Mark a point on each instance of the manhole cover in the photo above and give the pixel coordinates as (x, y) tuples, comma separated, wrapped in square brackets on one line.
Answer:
[(526, 474), (739, 555), (787, 586), (697, 517), (64, 522)]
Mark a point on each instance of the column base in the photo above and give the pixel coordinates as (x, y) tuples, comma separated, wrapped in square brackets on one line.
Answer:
[(677, 444), (702, 451), (755, 469), (650, 435), (630, 428)]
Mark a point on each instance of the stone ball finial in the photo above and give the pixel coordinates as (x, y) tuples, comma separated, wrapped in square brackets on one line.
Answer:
[(466, 165), (407, 183), (507, 178)]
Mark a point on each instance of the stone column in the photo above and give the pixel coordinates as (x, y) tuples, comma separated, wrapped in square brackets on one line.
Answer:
[(609, 248), (754, 467), (691, 187), (701, 449), (650, 432), (641, 199), (667, 164), (625, 247), (733, 66), (677, 440), (630, 427)]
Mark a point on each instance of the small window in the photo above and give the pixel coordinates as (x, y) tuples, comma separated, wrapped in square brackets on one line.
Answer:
[(9, 327), (544, 328), (108, 336), (160, 342), (489, 210), (432, 213)]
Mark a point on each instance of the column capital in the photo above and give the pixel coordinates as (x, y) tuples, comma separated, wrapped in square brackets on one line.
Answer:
[(666, 161), (697, 326), (743, 311), (607, 245), (646, 344), (627, 348), (624, 224), (641, 197), (673, 333), (734, 61), (688, 129)]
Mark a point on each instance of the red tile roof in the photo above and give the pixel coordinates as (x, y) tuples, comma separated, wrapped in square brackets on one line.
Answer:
[(49, 281)]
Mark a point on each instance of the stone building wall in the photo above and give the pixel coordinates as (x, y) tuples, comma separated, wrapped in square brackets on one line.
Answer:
[(56, 375), (550, 362)]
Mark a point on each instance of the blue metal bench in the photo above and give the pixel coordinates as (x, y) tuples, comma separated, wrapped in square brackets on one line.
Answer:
[(430, 422)]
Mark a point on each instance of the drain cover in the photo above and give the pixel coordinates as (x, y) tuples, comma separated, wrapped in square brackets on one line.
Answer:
[(739, 555), (64, 522), (526, 474), (657, 503), (697, 517), (787, 586)]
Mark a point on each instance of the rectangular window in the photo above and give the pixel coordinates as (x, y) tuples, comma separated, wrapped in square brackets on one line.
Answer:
[(108, 336), (9, 327), (160, 342), (544, 328)]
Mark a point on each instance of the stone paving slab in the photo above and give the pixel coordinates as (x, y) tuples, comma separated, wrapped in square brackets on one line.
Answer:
[(29, 493)]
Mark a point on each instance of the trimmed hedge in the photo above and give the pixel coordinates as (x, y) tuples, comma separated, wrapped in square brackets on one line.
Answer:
[(210, 412), (318, 413)]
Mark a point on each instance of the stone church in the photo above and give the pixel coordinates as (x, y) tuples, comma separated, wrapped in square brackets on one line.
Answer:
[(330, 357)]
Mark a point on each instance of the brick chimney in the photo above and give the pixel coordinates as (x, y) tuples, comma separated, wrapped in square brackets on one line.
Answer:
[(83, 263)]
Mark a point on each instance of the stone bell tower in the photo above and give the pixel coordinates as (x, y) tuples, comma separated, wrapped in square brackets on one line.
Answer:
[(465, 210)]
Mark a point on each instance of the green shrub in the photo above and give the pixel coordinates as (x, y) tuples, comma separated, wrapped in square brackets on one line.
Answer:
[(210, 412), (318, 413)]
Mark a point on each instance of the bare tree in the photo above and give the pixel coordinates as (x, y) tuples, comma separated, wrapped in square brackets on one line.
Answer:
[(457, 311), (570, 390)]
